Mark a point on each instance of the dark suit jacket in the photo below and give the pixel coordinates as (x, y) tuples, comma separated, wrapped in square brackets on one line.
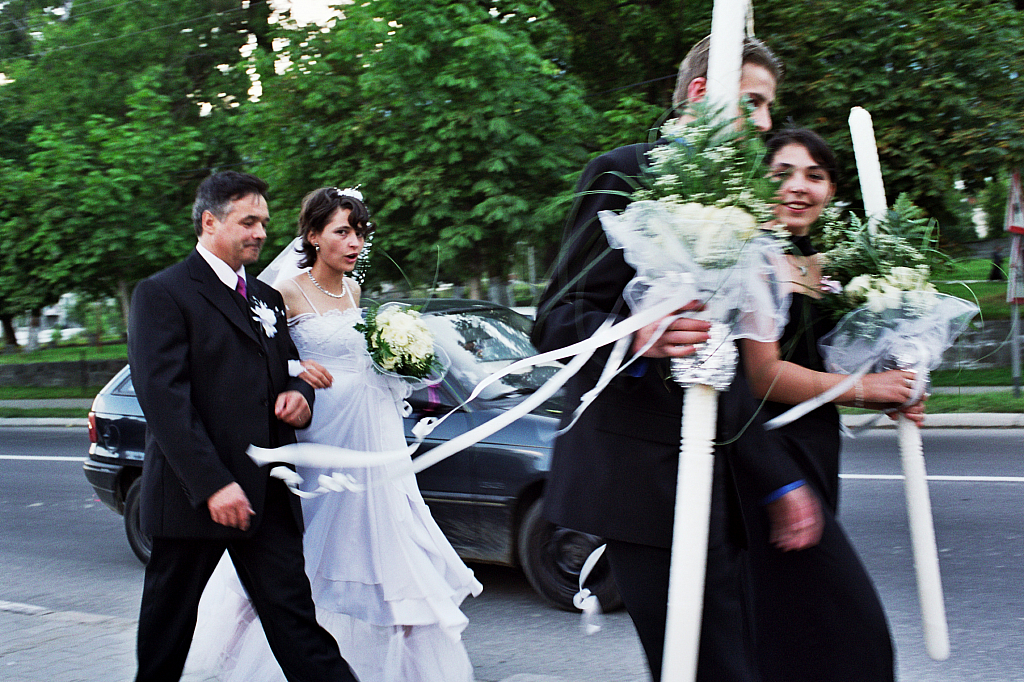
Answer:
[(207, 378), (614, 473)]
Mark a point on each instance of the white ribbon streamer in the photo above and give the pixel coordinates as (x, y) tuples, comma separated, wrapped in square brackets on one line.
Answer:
[(333, 457), (585, 600), (794, 413)]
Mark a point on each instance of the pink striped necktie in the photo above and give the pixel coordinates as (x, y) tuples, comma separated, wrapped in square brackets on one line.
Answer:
[(240, 287)]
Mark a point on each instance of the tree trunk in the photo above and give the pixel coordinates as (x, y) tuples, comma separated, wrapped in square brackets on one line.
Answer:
[(473, 287), (10, 339), (35, 321), (98, 307), (124, 295)]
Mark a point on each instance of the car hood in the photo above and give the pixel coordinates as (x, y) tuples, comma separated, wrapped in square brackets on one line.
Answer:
[(536, 429)]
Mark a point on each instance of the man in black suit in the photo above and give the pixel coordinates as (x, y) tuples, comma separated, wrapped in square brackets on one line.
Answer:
[(209, 351), (614, 473)]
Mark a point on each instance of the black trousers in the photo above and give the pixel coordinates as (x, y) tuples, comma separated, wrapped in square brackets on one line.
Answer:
[(641, 573), (270, 567)]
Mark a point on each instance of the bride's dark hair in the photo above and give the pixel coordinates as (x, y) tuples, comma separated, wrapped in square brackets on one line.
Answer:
[(317, 208)]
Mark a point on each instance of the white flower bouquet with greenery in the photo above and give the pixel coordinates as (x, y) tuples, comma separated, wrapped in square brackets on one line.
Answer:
[(692, 233), (401, 345), (890, 315)]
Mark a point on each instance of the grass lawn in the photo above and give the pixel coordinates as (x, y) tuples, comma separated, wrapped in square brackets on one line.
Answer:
[(46, 392), (58, 412), (111, 351), (963, 281), (997, 376), (1001, 401)]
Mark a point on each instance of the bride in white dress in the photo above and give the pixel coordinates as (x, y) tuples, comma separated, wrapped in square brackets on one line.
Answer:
[(386, 582)]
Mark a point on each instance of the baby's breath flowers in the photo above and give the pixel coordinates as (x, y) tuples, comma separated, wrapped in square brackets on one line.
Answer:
[(884, 268), (704, 192), (707, 161)]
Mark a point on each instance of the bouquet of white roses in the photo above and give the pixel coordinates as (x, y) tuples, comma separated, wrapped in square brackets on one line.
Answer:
[(900, 253), (400, 344)]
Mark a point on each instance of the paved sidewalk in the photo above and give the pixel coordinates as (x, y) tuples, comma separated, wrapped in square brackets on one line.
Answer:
[(40, 645)]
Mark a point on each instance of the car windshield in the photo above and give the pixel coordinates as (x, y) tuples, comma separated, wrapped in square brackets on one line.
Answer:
[(483, 342)]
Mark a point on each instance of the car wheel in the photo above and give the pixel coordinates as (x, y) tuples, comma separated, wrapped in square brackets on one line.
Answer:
[(141, 543), (551, 557)]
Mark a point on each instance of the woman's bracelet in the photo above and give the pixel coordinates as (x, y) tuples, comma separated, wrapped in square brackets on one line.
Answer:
[(858, 394)]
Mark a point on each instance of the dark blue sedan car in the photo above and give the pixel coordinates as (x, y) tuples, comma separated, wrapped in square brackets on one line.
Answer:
[(487, 498)]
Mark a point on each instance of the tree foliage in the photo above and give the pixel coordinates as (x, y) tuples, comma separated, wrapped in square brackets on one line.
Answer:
[(104, 139), (942, 81), (461, 132), (464, 122)]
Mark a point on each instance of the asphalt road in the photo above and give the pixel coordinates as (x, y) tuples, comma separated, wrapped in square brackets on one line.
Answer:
[(61, 549)]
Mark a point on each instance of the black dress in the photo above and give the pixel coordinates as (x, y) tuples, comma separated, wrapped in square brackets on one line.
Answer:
[(818, 617)]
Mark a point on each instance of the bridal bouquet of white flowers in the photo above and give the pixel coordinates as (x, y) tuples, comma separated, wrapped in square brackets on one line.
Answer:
[(400, 344)]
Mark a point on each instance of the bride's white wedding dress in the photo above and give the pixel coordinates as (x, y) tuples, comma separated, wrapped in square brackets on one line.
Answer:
[(386, 582)]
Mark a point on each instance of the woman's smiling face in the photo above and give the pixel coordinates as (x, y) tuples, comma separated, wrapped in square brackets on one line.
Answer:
[(805, 188)]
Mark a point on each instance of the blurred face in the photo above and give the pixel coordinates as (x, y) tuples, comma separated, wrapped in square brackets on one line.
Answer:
[(805, 189), (339, 243), (757, 85), (238, 239)]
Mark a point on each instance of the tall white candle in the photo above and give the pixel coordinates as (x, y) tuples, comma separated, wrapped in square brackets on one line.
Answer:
[(919, 509), (725, 57), (700, 409), (868, 169), (922, 537), (690, 535)]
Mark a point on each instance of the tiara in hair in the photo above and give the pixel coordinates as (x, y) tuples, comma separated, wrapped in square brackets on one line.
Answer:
[(350, 192)]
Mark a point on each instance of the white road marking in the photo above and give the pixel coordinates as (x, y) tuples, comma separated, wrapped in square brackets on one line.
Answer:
[(955, 479)]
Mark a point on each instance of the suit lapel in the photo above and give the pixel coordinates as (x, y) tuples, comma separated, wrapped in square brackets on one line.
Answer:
[(219, 296)]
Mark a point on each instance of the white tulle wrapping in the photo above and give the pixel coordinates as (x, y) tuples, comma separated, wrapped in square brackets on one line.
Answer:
[(902, 337), (285, 265), (682, 258)]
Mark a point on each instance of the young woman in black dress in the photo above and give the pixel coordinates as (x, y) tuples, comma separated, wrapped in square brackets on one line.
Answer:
[(818, 617)]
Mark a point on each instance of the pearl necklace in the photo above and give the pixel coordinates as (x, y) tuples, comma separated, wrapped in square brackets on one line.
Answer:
[(344, 286)]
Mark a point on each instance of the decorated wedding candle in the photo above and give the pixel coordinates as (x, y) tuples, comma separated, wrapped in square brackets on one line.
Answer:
[(725, 56), (868, 169)]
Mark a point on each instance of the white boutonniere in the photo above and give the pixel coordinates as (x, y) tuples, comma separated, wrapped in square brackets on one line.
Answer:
[(266, 317)]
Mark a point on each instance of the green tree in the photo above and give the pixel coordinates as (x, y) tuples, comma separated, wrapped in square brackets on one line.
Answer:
[(942, 81), (112, 112), (110, 201), (463, 135)]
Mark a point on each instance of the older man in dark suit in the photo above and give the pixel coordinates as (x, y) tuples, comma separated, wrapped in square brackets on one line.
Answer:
[(209, 350)]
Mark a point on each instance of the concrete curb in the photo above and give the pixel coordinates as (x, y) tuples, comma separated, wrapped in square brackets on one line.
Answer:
[(949, 420), (45, 421)]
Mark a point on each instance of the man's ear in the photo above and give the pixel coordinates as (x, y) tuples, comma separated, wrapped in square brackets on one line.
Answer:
[(208, 222), (696, 90)]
